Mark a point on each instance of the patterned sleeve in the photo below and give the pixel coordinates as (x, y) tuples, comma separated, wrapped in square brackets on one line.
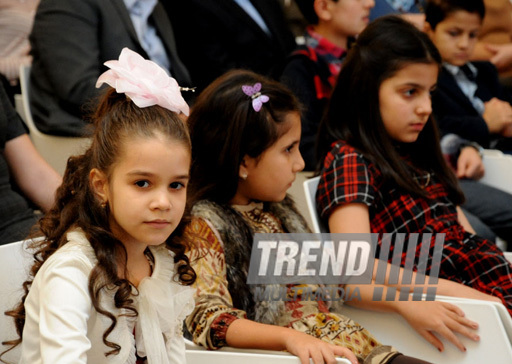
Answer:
[(347, 177), (214, 311)]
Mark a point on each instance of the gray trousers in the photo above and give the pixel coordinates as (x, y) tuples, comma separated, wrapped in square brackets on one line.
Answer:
[(489, 210)]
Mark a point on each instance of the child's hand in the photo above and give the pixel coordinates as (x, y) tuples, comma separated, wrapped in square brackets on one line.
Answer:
[(470, 164), (497, 115), (441, 318), (305, 346), (507, 132), (501, 55)]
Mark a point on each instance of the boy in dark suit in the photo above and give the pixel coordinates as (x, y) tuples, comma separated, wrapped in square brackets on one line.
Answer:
[(470, 106), (469, 100)]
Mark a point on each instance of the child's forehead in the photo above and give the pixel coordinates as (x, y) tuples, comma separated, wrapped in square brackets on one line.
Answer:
[(142, 153), (462, 17), (131, 141)]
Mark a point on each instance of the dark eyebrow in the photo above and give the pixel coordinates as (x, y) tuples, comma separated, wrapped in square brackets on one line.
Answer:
[(148, 174), (140, 173), (418, 86), (184, 176), (412, 84)]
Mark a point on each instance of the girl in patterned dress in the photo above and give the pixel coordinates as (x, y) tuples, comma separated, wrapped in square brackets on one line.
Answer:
[(383, 170), (245, 132)]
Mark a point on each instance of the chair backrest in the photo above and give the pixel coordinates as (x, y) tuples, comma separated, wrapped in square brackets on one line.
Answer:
[(498, 170), (296, 191), (54, 149), (15, 263), (310, 187)]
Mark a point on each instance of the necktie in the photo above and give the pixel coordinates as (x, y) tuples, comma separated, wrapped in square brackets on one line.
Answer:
[(469, 74)]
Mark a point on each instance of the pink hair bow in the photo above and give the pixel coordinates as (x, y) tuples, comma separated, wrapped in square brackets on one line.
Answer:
[(144, 82), (257, 98)]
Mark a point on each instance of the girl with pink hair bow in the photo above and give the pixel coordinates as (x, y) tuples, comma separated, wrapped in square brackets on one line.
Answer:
[(110, 280)]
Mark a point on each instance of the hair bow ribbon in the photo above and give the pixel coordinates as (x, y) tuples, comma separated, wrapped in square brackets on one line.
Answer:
[(144, 82)]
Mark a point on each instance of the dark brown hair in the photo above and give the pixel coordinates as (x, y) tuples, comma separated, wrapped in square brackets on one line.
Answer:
[(224, 128), (386, 46), (438, 10), (116, 121)]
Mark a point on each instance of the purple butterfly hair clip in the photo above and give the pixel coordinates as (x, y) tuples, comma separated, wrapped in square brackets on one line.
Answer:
[(257, 98)]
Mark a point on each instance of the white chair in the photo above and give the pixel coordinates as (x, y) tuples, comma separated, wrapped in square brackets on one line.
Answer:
[(297, 193), (310, 187), (498, 170), (15, 262), (54, 149)]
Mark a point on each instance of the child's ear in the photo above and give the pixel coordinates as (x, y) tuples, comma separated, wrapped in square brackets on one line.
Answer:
[(99, 184), (243, 171), (428, 29), (322, 10)]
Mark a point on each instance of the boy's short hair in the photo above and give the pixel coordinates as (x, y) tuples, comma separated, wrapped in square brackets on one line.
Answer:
[(307, 8), (438, 10)]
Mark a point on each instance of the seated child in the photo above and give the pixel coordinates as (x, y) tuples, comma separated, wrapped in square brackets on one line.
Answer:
[(471, 103), (469, 100), (245, 132), (311, 70), (383, 170), (108, 284)]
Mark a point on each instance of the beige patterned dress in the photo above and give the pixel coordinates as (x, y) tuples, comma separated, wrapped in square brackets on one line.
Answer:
[(214, 310)]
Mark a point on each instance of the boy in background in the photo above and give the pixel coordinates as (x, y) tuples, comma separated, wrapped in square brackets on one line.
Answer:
[(469, 101), (472, 108), (312, 69)]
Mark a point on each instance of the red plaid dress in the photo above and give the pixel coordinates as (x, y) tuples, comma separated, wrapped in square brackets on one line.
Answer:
[(349, 177)]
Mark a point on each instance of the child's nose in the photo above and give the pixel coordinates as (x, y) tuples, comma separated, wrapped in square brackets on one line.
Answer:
[(463, 41), (425, 106), (299, 163), (161, 201)]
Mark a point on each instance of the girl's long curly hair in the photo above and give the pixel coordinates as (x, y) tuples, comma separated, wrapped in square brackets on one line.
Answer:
[(116, 120)]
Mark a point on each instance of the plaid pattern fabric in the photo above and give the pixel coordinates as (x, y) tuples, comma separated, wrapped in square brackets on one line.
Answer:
[(349, 177), (327, 57), (332, 54)]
